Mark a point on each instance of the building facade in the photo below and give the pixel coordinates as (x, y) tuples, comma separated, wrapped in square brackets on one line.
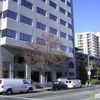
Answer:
[(24, 21), (88, 42)]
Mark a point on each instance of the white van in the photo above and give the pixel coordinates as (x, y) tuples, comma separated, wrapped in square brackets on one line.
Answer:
[(10, 86), (71, 83)]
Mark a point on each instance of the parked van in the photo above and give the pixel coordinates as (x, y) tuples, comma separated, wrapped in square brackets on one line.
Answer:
[(10, 86), (71, 83)]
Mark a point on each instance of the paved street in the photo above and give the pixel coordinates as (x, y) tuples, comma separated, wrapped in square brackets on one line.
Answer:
[(71, 94)]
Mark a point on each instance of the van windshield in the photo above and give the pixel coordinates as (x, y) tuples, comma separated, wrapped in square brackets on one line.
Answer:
[(0, 81)]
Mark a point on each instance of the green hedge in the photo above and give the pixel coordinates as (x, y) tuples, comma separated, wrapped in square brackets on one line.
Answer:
[(95, 81)]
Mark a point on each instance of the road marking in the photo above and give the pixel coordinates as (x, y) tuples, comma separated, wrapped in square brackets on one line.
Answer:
[(20, 98), (88, 99)]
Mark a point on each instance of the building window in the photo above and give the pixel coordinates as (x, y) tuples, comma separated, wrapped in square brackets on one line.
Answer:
[(70, 37), (70, 50), (26, 4), (14, 0), (52, 30), (62, 34), (25, 20), (62, 10), (43, 0), (69, 26), (69, 4), (64, 48), (71, 73), (0, 15), (39, 41), (71, 65), (52, 17), (41, 11), (62, 22), (63, 1), (25, 37), (9, 14), (41, 26), (52, 4), (69, 14), (8, 33)]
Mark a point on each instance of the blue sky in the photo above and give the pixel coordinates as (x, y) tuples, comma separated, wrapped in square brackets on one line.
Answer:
[(86, 15)]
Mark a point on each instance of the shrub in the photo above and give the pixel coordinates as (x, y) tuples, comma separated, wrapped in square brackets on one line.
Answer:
[(95, 81)]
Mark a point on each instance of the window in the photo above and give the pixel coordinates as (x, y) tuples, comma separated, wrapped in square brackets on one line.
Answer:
[(63, 1), (62, 34), (70, 37), (0, 15), (25, 37), (26, 4), (62, 10), (9, 14), (14, 0), (52, 4), (64, 48), (70, 50), (43, 0), (69, 14), (71, 74), (25, 20), (41, 11), (69, 26), (39, 41), (69, 4), (71, 65), (52, 30), (62, 22), (0, 81), (8, 33), (52, 17), (41, 26)]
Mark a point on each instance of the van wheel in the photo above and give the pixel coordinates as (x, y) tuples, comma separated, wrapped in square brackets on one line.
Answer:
[(9, 92), (30, 90)]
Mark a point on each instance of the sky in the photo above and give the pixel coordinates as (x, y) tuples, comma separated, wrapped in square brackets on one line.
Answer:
[(86, 16)]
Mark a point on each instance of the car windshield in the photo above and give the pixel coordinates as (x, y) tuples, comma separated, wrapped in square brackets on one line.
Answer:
[(0, 81)]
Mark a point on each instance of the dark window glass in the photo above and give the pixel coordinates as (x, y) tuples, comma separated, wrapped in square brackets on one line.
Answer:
[(69, 4), (70, 50), (43, 0), (8, 33), (63, 1), (64, 48), (14, 0), (0, 81), (62, 22), (69, 14), (52, 4), (26, 4), (41, 26), (41, 11), (70, 37), (52, 17), (69, 26), (62, 10), (39, 41), (62, 34), (25, 37), (25, 20), (52, 30), (0, 15)]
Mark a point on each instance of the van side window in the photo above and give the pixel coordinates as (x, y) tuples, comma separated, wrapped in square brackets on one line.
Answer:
[(25, 82), (0, 81)]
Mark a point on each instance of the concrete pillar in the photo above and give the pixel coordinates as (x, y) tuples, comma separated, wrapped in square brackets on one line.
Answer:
[(28, 72), (41, 77), (11, 71), (53, 75)]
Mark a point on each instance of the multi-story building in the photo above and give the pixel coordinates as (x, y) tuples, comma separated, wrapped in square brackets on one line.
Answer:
[(88, 42), (82, 60), (24, 21)]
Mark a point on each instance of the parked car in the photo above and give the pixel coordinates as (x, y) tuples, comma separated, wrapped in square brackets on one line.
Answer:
[(71, 83), (58, 85), (10, 86)]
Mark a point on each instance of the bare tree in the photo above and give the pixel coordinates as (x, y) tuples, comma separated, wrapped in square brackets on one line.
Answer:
[(3, 72), (46, 54)]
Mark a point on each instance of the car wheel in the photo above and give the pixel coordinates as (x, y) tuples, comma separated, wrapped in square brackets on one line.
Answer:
[(30, 90), (55, 88), (66, 88), (9, 92)]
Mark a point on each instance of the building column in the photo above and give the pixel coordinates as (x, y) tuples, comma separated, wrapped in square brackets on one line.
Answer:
[(11, 70), (28, 72), (53, 75)]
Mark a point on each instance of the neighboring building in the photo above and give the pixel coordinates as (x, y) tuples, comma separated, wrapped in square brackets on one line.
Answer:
[(82, 60), (88, 42), (23, 21)]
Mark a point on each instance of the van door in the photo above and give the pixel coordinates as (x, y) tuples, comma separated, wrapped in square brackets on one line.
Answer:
[(25, 85)]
